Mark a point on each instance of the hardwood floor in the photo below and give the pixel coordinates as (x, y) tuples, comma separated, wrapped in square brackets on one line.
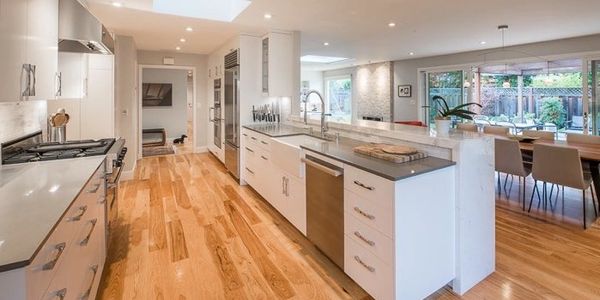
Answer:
[(186, 230)]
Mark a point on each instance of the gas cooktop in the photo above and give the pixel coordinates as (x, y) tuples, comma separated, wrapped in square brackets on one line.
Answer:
[(53, 151)]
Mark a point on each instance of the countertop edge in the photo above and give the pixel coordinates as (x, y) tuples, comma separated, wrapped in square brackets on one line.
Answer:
[(24, 263), (271, 135), (374, 172)]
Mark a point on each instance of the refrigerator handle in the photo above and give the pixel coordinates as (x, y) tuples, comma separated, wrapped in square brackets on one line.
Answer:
[(236, 107), (211, 109)]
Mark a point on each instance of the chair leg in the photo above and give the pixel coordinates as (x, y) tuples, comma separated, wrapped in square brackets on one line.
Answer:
[(499, 184), (535, 189), (584, 209), (594, 198), (524, 189)]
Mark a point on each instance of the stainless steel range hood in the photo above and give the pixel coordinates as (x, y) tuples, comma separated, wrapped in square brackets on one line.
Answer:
[(80, 31)]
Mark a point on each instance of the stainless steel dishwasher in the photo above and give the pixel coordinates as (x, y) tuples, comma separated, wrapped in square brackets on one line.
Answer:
[(325, 207)]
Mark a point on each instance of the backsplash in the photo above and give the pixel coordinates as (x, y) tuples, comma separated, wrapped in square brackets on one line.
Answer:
[(373, 88), (21, 118)]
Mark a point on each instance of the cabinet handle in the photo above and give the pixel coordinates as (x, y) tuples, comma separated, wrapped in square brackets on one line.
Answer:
[(287, 187), (364, 239), (249, 149), (364, 214), (263, 157), (264, 143), (371, 269), (32, 91), (244, 134), (95, 189), (77, 217), (61, 294), (86, 240), (283, 185), (25, 70), (362, 185), (253, 138), (102, 200), (87, 293), (59, 84), (50, 265), (250, 171)]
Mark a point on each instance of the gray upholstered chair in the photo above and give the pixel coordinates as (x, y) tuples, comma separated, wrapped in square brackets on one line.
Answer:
[(509, 161), (496, 130), (561, 166), (467, 127)]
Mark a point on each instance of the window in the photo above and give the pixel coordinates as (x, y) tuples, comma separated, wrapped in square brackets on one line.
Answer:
[(448, 85), (338, 98)]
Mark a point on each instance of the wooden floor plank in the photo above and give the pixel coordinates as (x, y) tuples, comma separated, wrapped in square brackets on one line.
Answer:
[(177, 237)]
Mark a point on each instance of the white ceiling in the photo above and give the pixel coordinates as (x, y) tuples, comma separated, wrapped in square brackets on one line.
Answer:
[(358, 29)]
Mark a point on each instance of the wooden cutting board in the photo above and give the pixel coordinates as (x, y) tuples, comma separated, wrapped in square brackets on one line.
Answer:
[(393, 153)]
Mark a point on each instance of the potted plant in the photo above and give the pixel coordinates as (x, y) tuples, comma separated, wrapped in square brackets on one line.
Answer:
[(443, 118)]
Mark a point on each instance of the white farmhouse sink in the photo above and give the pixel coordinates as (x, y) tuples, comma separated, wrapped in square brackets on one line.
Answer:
[(286, 152), (297, 140)]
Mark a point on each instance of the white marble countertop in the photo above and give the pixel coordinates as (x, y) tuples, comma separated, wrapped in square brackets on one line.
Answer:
[(33, 198)]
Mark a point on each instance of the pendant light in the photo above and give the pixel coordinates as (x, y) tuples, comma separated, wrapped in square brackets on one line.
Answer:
[(506, 83)]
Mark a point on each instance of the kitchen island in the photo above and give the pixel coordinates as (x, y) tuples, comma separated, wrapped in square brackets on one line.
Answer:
[(52, 228), (472, 176)]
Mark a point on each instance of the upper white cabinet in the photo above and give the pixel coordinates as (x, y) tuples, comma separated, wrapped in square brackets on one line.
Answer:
[(29, 47), (277, 50), (72, 70)]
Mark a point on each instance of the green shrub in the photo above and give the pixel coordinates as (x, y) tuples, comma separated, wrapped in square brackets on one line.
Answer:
[(552, 111)]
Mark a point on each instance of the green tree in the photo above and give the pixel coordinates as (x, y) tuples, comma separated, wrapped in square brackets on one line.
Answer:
[(552, 111), (560, 80)]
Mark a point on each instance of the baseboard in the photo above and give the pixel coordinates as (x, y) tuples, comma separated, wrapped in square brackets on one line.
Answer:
[(201, 149), (128, 175)]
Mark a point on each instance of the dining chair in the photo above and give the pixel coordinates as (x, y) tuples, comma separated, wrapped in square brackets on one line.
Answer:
[(467, 127), (497, 130), (541, 134), (561, 166), (579, 138), (509, 161)]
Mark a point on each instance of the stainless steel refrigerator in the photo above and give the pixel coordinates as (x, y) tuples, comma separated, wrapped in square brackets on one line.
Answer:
[(232, 114)]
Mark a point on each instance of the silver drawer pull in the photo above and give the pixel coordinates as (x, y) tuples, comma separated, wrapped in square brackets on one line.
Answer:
[(263, 157), (86, 240), (82, 210), (364, 239), (244, 134), (87, 293), (253, 138), (364, 214), (102, 200), (362, 185), (250, 171), (371, 269), (50, 265), (264, 143), (249, 149), (95, 189), (61, 294)]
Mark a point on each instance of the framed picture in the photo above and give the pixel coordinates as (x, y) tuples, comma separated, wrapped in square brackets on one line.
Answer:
[(405, 90)]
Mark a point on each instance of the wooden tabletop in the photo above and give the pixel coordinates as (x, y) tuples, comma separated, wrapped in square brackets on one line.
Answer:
[(586, 151)]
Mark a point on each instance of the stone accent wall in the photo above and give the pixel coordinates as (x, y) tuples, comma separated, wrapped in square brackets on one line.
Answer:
[(373, 88), (20, 118)]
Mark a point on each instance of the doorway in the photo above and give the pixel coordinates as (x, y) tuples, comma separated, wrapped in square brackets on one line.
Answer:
[(167, 110)]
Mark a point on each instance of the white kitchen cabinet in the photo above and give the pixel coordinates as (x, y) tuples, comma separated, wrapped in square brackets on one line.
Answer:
[(28, 36), (42, 46), (13, 42), (72, 69), (277, 52), (295, 202)]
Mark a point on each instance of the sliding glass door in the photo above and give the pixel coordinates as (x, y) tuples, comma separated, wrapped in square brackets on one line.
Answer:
[(449, 85), (595, 93)]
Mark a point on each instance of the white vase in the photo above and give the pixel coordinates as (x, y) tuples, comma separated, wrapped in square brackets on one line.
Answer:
[(443, 126)]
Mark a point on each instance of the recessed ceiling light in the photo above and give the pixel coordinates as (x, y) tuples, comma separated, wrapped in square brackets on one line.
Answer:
[(483, 42), (117, 4), (268, 16), (411, 53), (391, 24), (177, 48), (326, 44), (189, 29), (182, 40)]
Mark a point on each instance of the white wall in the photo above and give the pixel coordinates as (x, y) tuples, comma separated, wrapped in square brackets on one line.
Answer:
[(172, 118), (406, 71), (314, 78), (126, 99), (187, 60)]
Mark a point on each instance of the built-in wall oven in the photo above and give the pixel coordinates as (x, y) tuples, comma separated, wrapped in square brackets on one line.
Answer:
[(216, 110)]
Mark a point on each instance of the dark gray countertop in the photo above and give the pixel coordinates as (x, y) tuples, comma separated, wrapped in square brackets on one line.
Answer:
[(343, 151)]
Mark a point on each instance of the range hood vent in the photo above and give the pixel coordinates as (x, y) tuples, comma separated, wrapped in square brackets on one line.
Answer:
[(79, 31)]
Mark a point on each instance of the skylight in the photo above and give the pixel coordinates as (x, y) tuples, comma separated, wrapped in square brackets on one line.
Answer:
[(321, 59), (221, 10)]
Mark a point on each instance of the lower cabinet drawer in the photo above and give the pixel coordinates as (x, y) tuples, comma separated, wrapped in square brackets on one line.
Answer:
[(368, 212), (372, 274), (371, 239)]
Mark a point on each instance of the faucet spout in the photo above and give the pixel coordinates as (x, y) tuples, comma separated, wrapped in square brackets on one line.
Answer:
[(323, 115)]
